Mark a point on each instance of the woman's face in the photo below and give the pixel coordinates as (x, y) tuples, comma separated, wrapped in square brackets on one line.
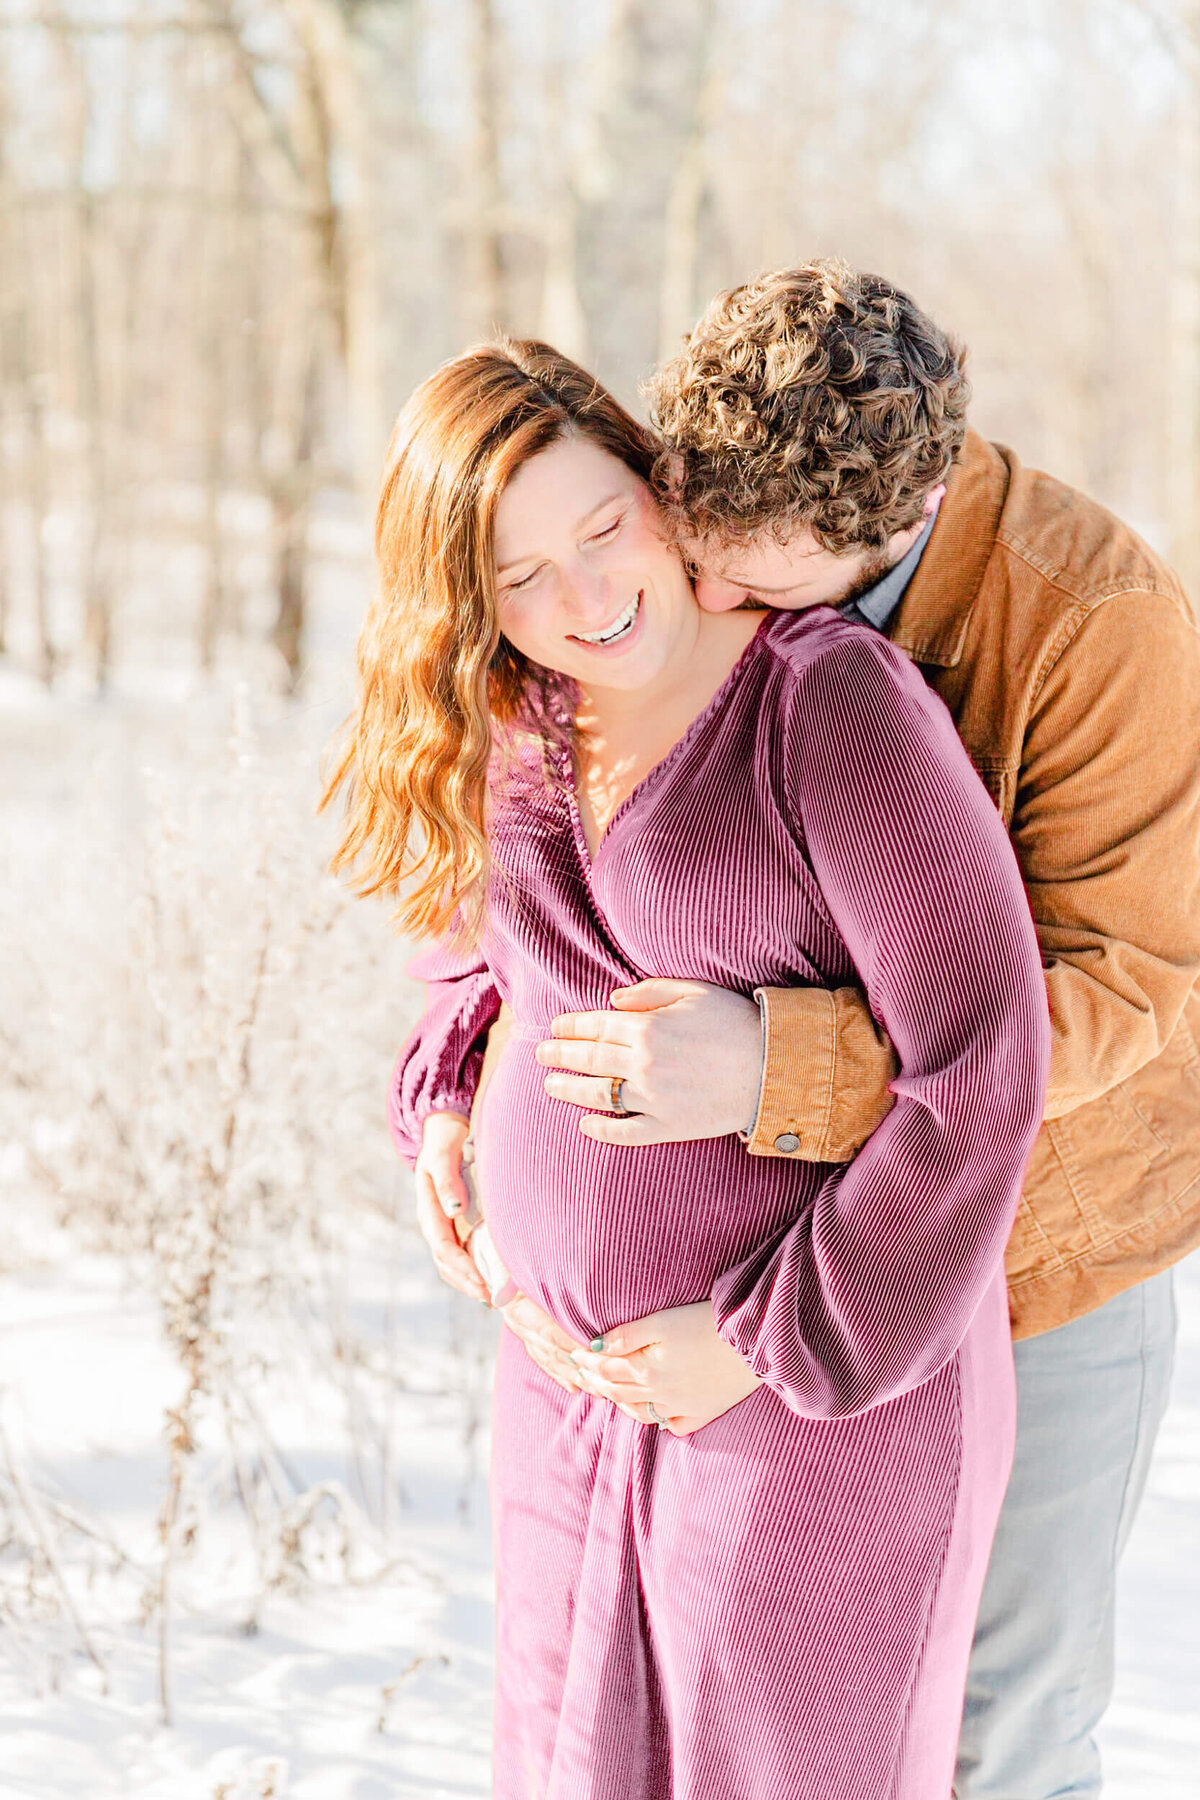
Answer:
[(585, 582)]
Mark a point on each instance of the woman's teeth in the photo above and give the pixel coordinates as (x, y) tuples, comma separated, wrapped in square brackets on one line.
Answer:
[(616, 630)]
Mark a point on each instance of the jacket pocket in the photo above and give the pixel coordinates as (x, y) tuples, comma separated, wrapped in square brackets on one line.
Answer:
[(1109, 1167), (1166, 1094)]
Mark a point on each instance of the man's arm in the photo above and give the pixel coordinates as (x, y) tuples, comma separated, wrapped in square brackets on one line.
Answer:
[(1107, 832), (826, 1075)]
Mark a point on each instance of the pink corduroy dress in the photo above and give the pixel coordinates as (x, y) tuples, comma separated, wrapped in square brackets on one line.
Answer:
[(780, 1606)]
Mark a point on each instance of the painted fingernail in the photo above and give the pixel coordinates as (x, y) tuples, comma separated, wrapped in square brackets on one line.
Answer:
[(597, 1344)]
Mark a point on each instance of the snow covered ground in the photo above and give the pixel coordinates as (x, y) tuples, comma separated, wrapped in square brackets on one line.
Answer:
[(370, 1685), (1151, 1737), (216, 1316), (328, 1608), (365, 1677)]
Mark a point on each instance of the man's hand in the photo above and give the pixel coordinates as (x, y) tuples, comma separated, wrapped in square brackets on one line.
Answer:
[(442, 1197), (689, 1055), (674, 1360)]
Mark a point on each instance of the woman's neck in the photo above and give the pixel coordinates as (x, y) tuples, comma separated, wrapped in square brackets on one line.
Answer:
[(708, 648), (623, 734)]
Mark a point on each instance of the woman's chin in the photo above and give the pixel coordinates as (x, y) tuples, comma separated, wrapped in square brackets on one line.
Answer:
[(623, 675), (636, 660)]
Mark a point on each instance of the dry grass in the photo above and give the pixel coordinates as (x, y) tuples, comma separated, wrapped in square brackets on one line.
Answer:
[(197, 1032)]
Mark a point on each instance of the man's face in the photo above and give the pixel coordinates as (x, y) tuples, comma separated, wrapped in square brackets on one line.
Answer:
[(796, 573), (791, 575)]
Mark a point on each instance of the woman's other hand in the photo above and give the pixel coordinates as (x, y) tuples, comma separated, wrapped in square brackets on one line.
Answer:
[(673, 1360), (442, 1197), (689, 1056), (547, 1343)]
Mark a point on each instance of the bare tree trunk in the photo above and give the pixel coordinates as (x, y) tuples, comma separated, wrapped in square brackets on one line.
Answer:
[(96, 574), (5, 588), (133, 233), (285, 387), (328, 126), (652, 186), (291, 500), (1083, 392), (1183, 385), (221, 313), (339, 127), (485, 256), (562, 320), (213, 604), (39, 508), (685, 200), (19, 355), (6, 499), (11, 320)]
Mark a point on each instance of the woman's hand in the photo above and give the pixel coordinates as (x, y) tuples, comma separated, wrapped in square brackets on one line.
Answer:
[(689, 1055), (547, 1343), (442, 1197), (674, 1360)]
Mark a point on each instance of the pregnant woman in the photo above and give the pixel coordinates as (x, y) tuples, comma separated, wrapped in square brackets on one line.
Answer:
[(565, 769)]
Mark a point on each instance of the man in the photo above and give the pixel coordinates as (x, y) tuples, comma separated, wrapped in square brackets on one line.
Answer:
[(819, 455)]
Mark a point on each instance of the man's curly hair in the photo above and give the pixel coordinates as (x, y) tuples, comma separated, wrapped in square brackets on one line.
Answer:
[(815, 397)]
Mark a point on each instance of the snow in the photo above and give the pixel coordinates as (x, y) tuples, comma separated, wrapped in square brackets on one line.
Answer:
[(378, 1685), (369, 1679), (1151, 1737), (329, 1612)]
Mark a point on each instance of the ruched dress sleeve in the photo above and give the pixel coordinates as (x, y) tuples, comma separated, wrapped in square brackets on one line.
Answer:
[(868, 1294), (438, 1068)]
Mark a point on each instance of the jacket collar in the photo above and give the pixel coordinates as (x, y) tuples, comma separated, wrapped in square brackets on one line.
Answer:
[(931, 621)]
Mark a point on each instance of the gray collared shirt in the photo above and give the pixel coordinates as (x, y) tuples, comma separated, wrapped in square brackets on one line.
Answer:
[(877, 605)]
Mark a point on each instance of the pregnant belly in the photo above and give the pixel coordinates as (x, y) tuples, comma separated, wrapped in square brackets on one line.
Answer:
[(600, 1234)]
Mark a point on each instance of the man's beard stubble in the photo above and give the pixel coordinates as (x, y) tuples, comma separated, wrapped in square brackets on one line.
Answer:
[(873, 570)]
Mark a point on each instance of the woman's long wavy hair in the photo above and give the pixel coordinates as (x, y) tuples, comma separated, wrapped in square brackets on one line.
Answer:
[(437, 682)]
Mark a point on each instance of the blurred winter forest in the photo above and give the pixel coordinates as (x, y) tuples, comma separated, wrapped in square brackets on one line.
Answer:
[(241, 1425), (235, 233)]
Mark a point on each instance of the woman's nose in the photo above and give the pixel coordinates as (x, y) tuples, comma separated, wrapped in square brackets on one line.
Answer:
[(585, 597)]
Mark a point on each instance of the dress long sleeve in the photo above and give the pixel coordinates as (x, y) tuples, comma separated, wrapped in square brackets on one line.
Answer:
[(438, 1068), (871, 1291)]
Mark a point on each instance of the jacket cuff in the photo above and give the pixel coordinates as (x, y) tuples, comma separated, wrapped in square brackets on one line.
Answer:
[(795, 1096), (827, 1070)]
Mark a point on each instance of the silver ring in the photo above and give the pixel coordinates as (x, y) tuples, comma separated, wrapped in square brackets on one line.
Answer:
[(615, 1101), (655, 1414)]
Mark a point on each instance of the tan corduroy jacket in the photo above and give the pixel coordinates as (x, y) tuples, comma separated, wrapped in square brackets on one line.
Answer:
[(1069, 657)]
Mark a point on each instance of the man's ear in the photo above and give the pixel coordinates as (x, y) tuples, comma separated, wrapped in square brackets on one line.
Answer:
[(674, 477), (934, 498)]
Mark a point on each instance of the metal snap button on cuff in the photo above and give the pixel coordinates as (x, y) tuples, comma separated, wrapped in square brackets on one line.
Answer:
[(787, 1141)]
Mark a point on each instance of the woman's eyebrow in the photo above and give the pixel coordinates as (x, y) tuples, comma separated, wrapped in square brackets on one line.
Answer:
[(599, 507), (579, 524)]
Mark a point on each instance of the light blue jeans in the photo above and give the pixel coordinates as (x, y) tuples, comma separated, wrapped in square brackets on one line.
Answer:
[(1090, 1398)]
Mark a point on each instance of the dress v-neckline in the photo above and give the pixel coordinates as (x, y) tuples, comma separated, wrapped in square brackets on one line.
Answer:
[(586, 854)]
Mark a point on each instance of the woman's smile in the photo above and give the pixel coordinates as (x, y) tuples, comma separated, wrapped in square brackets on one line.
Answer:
[(621, 631), (586, 582)]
